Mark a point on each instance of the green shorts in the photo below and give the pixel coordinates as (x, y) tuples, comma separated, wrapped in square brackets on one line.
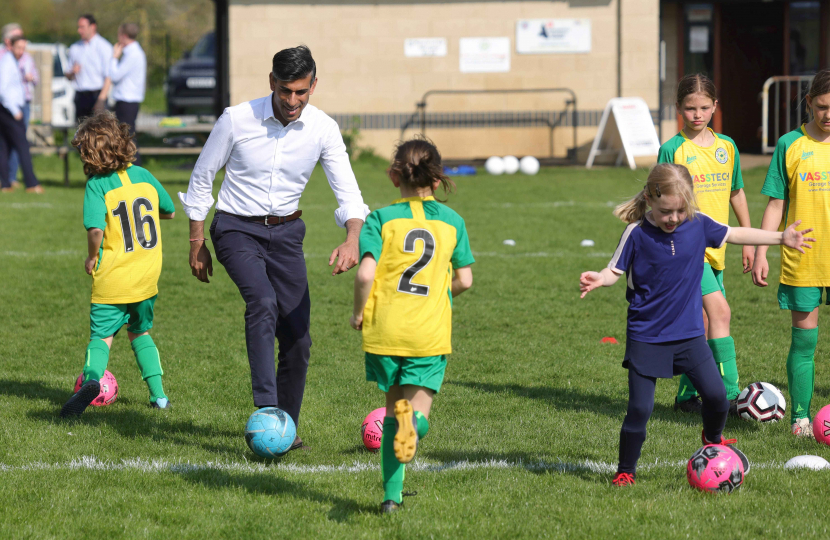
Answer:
[(106, 320), (800, 298), (712, 281), (387, 371)]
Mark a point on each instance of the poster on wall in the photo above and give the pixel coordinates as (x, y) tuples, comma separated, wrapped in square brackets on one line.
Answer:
[(553, 36), (484, 55), (424, 47)]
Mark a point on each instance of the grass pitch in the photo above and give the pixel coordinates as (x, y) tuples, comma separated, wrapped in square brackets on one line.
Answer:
[(523, 438)]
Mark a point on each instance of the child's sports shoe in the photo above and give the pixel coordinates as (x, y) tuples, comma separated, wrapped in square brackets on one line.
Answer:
[(730, 443), (733, 408), (78, 403), (161, 403), (388, 507), (691, 405), (802, 428), (406, 439), (622, 479)]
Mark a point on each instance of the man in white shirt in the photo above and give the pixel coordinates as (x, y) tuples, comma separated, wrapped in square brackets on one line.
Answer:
[(12, 129), (269, 147), (128, 72), (89, 62)]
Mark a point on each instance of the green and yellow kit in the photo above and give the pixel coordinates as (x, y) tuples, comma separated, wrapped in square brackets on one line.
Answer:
[(800, 175), (126, 206), (716, 173), (416, 242)]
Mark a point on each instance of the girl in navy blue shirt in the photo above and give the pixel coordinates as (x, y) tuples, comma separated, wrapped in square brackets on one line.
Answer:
[(661, 253)]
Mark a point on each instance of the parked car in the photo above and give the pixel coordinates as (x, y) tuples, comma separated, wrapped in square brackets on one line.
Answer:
[(63, 95), (191, 81)]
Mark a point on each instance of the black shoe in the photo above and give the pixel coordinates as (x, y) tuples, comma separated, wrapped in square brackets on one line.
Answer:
[(693, 405), (741, 455), (733, 408), (298, 445), (389, 507), (78, 403)]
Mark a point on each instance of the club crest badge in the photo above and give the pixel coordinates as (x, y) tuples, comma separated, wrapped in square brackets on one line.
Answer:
[(721, 155)]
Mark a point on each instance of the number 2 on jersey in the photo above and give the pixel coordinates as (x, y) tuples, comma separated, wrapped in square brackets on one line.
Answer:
[(405, 284), (147, 241)]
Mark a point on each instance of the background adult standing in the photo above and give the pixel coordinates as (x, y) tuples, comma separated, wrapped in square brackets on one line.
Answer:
[(12, 132), (89, 62), (269, 148), (31, 78), (128, 73)]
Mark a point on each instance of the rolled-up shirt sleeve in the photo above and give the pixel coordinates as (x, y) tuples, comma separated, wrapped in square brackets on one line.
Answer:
[(335, 162), (199, 197)]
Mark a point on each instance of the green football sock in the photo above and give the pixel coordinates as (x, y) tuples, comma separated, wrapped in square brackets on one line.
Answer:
[(723, 349), (422, 424), (685, 390), (97, 358), (147, 358), (801, 370), (393, 470)]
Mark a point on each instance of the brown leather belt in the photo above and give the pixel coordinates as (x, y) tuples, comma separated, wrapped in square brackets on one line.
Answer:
[(266, 220)]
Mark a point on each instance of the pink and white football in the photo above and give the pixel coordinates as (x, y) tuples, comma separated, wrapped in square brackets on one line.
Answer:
[(715, 468), (109, 389), (372, 429), (821, 425)]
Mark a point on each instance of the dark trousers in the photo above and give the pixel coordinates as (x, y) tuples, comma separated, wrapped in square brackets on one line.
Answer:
[(706, 379), (266, 263), (127, 112), (84, 103), (13, 135)]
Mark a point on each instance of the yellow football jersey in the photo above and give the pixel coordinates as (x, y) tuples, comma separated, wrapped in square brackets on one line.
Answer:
[(800, 175), (716, 173), (126, 206), (416, 242)]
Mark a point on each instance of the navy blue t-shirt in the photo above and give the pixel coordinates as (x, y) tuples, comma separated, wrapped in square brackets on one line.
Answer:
[(664, 271)]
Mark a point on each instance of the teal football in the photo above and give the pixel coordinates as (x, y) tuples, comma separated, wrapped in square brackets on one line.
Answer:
[(270, 432)]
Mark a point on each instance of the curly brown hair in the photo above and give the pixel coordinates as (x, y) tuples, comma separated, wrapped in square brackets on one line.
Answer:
[(105, 144), (417, 163)]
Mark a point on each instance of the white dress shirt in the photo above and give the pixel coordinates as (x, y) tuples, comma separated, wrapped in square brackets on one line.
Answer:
[(12, 93), (94, 58), (267, 165), (129, 74)]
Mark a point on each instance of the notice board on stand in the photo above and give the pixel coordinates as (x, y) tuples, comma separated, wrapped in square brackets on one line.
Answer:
[(626, 130)]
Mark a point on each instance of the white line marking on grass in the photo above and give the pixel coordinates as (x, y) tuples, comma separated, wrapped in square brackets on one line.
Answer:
[(27, 254), (160, 466), (551, 204), (23, 206)]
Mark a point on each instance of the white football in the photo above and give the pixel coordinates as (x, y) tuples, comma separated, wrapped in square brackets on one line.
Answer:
[(511, 164), (494, 165), (762, 402), (529, 165), (807, 462)]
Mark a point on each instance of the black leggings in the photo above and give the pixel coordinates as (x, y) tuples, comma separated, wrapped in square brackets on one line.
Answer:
[(706, 379)]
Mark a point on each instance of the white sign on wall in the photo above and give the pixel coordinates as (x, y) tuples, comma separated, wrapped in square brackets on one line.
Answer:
[(626, 130), (547, 36), (421, 47), (484, 55)]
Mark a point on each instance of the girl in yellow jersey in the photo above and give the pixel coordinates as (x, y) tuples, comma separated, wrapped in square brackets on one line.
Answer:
[(715, 166), (415, 255), (798, 185), (123, 206)]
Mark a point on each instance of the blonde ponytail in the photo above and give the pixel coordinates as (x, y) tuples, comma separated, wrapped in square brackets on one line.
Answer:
[(632, 210)]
